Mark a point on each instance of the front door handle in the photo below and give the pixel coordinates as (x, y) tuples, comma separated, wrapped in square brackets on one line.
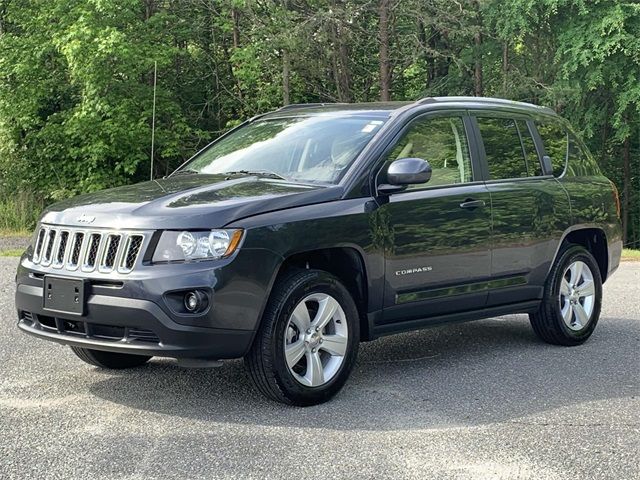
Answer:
[(471, 203)]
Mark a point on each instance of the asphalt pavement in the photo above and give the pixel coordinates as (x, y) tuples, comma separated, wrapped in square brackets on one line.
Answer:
[(480, 400)]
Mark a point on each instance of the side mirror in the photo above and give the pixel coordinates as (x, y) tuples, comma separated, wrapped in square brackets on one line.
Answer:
[(405, 171), (547, 165)]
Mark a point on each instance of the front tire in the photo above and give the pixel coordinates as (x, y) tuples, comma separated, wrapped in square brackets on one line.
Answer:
[(110, 360), (308, 340), (570, 308)]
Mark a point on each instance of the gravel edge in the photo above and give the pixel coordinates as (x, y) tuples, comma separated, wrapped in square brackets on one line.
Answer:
[(14, 243)]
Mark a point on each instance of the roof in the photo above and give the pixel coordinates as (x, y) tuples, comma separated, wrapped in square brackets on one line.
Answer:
[(391, 108), (486, 101), (383, 109)]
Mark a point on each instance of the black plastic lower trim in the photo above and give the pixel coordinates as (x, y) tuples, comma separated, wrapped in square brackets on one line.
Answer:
[(175, 340), (404, 326)]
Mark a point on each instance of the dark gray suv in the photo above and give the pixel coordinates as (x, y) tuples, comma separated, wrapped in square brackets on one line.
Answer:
[(307, 230)]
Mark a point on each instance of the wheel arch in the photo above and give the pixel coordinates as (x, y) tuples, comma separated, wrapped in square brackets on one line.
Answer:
[(347, 264), (591, 237)]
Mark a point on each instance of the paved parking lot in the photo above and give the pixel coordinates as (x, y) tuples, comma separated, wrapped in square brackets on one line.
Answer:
[(477, 400)]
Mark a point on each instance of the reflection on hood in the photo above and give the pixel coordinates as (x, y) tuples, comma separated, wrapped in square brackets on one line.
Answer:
[(188, 199)]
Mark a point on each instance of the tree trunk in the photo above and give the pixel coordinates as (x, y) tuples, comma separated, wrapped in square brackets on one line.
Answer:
[(345, 70), (149, 9), (286, 78), (340, 63), (3, 14), (477, 40), (505, 68), (335, 67), (422, 40), (626, 188), (235, 21), (383, 37), (605, 135)]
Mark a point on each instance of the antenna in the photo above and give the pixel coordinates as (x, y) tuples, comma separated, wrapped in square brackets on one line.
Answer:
[(153, 114)]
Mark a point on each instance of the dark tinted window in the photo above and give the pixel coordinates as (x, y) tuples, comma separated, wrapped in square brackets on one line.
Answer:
[(554, 137), (580, 160), (503, 148), (534, 167), (443, 143)]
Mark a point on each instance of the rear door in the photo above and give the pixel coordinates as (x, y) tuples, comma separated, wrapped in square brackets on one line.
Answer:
[(439, 232), (529, 208)]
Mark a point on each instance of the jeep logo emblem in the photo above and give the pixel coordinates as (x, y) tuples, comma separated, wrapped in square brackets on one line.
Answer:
[(84, 218)]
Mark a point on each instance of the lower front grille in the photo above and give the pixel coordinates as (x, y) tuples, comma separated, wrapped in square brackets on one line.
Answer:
[(28, 316), (143, 335), (107, 332), (80, 328)]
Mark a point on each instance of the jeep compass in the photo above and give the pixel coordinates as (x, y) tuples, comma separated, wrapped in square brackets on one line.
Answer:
[(304, 231)]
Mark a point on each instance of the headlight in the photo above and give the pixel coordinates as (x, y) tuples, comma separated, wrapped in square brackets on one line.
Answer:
[(190, 246)]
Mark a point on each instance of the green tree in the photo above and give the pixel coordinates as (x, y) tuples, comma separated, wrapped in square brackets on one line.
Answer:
[(76, 76)]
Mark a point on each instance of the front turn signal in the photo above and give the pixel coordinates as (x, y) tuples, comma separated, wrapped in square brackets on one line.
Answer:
[(234, 242)]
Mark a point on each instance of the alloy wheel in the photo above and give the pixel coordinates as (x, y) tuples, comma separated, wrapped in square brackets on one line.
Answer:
[(577, 295), (316, 340)]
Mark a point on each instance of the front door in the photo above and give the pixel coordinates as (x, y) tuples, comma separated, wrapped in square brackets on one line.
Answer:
[(437, 256)]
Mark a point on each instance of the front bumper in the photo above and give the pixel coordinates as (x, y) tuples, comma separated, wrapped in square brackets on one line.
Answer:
[(127, 326), (130, 314)]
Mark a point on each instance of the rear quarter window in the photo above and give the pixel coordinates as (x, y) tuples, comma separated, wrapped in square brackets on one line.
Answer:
[(568, 153), (555, 139), (580, 161)]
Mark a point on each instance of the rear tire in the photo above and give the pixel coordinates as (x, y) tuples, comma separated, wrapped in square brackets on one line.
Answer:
[(308, 339), (110, 360), (570, 307)]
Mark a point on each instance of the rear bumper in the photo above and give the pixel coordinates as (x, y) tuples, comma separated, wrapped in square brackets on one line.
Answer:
[(127, 325), (615, 253)]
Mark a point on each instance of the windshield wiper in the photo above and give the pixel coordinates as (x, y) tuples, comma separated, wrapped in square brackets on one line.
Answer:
[(261, 173)]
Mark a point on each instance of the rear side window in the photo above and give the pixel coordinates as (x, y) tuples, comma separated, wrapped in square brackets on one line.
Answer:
[(580, 163), (555, 139), (534, 167), (503, 148)]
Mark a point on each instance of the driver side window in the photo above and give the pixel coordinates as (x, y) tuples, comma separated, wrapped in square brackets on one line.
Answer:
[(441, 141)]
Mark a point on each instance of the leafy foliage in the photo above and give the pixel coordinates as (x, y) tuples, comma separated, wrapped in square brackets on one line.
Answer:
[(76, 76)]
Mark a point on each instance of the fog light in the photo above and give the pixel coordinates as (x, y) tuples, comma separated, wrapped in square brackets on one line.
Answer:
[(195, 301), (191, 302)]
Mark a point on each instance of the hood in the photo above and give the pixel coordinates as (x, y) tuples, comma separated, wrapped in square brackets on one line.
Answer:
[(186, 201)]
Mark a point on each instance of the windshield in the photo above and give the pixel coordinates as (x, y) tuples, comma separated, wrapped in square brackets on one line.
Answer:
[(306, 149)]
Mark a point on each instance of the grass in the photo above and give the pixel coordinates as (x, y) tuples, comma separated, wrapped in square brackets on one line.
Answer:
[(9, 233), (18, 212), (632, 255), (12, 252), (6, 233)]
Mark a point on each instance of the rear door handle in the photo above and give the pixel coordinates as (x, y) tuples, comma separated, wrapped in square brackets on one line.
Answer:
[(471, 203)]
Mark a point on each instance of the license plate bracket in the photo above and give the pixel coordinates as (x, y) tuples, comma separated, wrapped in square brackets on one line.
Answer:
[(65, 295)]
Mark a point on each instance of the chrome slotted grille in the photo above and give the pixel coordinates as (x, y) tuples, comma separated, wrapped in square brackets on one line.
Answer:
[(76, 248), (61, 250), (49, 241), (133, 247), (95, 240), (110, 251), (37, 251), (88, 250)]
